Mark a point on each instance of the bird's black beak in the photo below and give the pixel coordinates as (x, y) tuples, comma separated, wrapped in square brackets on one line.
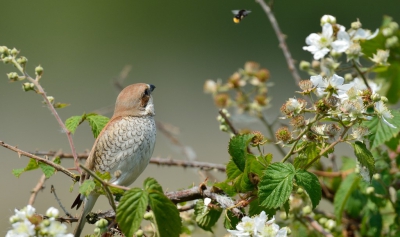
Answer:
[(152, 87)]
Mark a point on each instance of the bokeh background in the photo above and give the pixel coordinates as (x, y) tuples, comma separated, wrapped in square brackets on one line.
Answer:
[(175, 45)]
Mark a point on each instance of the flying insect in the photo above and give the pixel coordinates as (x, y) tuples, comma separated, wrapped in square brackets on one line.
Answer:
[(239, 15)]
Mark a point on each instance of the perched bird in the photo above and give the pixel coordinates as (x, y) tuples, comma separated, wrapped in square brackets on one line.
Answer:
[(125, 144), (239, 15)]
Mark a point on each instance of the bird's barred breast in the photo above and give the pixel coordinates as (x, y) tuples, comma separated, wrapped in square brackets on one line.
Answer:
[(126, 145)]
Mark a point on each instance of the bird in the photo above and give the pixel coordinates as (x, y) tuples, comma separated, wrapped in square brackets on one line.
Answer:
[(124, 146), (239, 15)]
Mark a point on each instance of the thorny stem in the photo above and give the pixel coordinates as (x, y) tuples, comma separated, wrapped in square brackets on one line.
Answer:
[(321, 153), (316, 118), (282, 42), (47, 162), (360, 73), (271, 133), (52, 109), (104, 184)]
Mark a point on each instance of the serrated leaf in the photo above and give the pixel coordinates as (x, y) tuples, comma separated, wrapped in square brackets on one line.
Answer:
[(32, 165), (60, 105), (238, 149), (87, 187), (276, 185), (48, 171), (230, 220), (206, 217), (311, 185), (346, 188), (365, 157), (166, 215), (306, 155), (152, 184), (131, 209), (227, 188), (18, 172), (232, 171), (57, 160), (265, 160), (252, 173), (97, 123), (72, 123), (380, 131)]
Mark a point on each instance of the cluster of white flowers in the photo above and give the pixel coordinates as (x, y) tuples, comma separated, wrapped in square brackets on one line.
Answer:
[(26, 224), (335, 39), (258, 226)]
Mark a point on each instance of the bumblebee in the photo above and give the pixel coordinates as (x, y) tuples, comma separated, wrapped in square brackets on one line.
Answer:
[(239, 15)]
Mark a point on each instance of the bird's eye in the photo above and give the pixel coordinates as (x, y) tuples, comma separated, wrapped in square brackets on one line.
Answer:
[(146, 92)]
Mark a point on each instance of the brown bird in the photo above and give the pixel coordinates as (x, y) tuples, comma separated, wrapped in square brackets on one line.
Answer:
[(125, 144)]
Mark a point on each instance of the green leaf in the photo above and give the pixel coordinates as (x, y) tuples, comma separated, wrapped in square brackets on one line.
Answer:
[(365, 157), (355, 204), (311, 185), (265, 160), (226, 187), (104, 176), (238, 149), (306, 155), (276, 185), (131, 209), (380, 131), (206, 217), (230, 221), (72, 123), (87, 187), (232, 171), (166, 215), (346, 188), (48, 171), (152, 184), (32, 165), (255, 208), (97, 123), (18, 172), (60, 105), (57, 160), (391, 80)]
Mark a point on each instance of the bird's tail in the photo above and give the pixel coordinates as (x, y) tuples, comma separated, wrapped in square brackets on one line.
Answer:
[(87, 207)]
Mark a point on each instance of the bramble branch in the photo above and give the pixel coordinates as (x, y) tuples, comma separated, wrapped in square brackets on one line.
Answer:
[(47, 162)]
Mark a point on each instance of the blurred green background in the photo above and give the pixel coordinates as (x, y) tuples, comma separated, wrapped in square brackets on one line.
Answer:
[(175, 45)]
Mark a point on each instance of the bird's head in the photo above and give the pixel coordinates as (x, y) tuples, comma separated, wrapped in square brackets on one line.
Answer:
[(135, 100)]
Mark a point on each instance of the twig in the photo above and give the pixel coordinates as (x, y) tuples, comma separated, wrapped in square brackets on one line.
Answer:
[(281, 39), (154, 160), (47, 162), (228, 122), (53, 191), (317, 226), (104, 184), (39, 186), (52, 109), (187, 207)]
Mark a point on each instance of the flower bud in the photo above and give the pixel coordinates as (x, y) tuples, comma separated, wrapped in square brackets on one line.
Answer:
[(393, 25), (28, 86), (391, 42), (148, 216), (14, 52), (370, 190), (384, 99), (13, 76), (283, 216), (300, 191), (22, 60), (348, 77), (251, 67), (356, 25), (322, 220), (97, 231), (376, 176), (315, 64), (330, 224), (288, 230), (221, 100), (39, 70), (304, 65), (52, 212), (375, 97), (4, 50), (223, 128), (328, 19), (7, 59), (139, 233), (258, 138), (387, 32), (307, 210), (51, 99), (102, 223), (210, 86)]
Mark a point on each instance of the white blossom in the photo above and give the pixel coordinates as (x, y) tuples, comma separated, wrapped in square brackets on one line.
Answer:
[(318, 44)]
